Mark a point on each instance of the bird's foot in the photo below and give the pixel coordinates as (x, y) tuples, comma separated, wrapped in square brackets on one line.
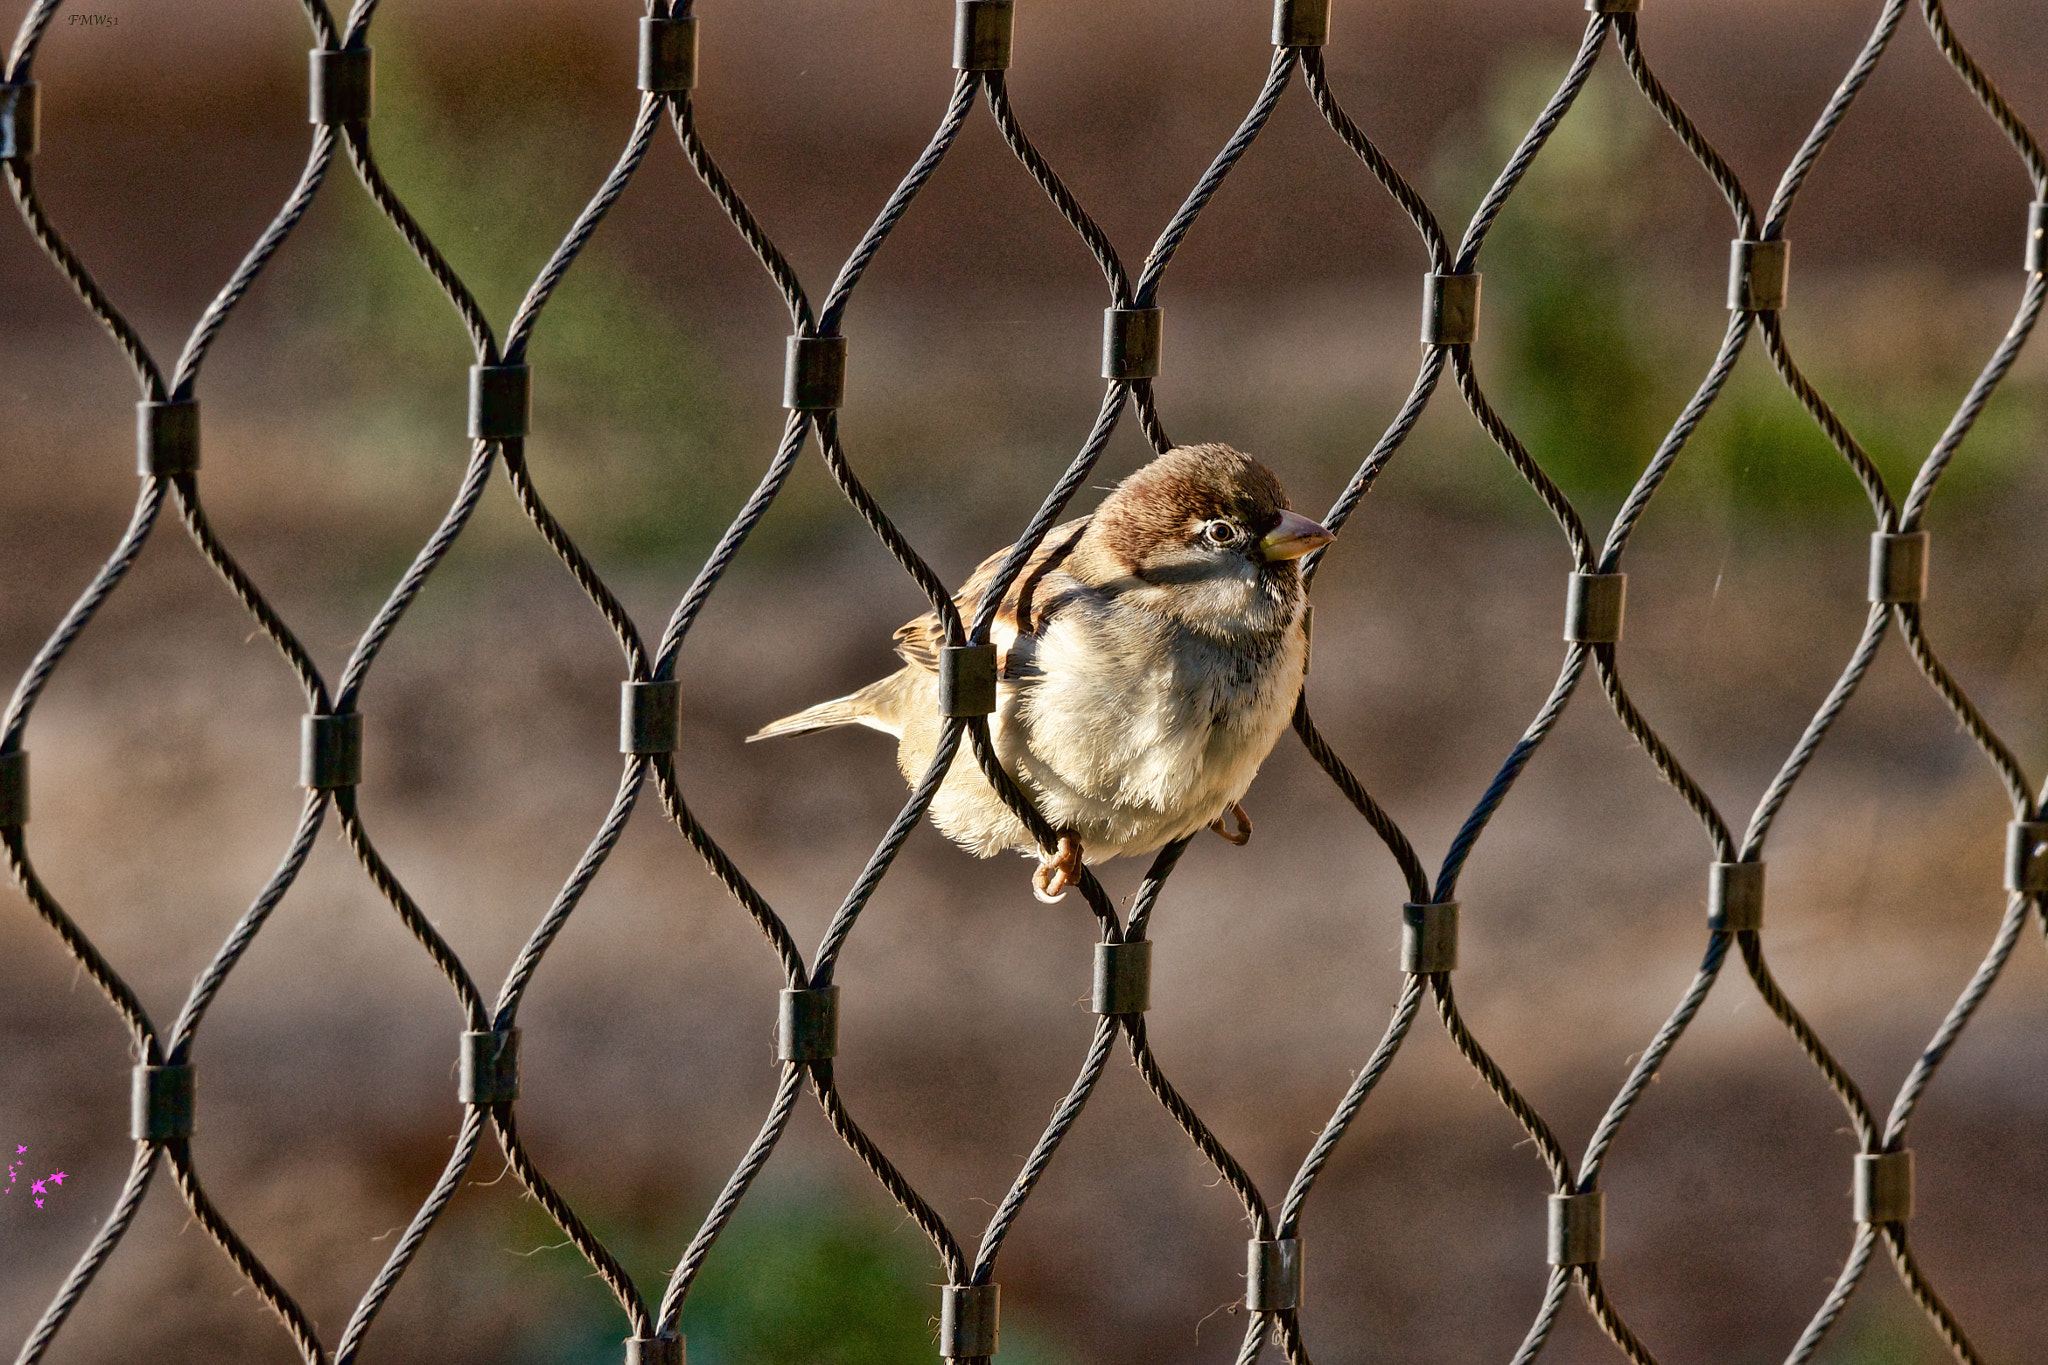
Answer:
[(1058, 871), (1242, 835)]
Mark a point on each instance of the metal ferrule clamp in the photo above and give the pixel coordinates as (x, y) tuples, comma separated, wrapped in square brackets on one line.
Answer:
[(1757, 274), (488, 1070), (167, 438), (1429, 937), (968, 1315), (656, 1351), (341, 85), (2026, 855), (807, 1025), (967, 680), (1130, 342), (1898, 567), (160, 1102), (1450, 309), (1593, 605), (500, 402), (2037, 237), (668, 56), (814, 373), (1301, 23), (330, 751), (981, 35), (1272, 1274), (650, 716), (1884, 1187), (20, 102), (1735, 897), (13, 788), (1123, 978), (1578, 1228), (1613, 6)]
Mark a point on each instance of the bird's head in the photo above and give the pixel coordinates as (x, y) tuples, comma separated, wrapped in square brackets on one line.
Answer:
[(1203, 533)]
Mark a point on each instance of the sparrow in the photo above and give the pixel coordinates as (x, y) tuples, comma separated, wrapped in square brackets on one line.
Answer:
[(1148, 657)]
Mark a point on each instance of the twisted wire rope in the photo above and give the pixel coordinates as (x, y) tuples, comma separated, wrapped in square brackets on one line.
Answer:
[(1282, 1326)]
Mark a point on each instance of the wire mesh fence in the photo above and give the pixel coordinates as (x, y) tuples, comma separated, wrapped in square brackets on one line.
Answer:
[(169, 428)]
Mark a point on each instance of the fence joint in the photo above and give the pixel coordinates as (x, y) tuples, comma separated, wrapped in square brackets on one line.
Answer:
[(1898, 566), (1450, 309), (341, 85), (1272, 1274), (1884, 1186), (1301, 23), (1578, 1228), (1123, 978), (330, 751), (650, 716), (668, 56), (967, 1320), (166, 438), (1429, 937), (1131, 342), (20, 130), (2026, 856), (160, 1103), (1758, 273), (489, 1067), (807, 1025), (1735, 897), (981, 35), (13, 788)]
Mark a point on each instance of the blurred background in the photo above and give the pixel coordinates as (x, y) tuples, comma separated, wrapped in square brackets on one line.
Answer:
[(165, 751)]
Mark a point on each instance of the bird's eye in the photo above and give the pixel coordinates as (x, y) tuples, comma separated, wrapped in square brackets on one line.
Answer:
[(1222, 534)]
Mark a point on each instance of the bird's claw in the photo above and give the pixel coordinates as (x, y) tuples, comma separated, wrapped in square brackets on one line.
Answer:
[(1058, 871), (1243, 833)]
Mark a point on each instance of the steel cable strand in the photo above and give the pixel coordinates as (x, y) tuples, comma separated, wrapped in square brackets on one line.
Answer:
[(1504, 780), (1377, 458), (1645, 1070), (580, 568), (482, 340), (1147, 899), (1628, 41), (1981, 982), (2009, 771), (1049, 511), (29, 36), (1604, 1313), (1148, 417), (312, 813), (1316, 78), (36, 677), (142, 1034), (741, 217), (1277, 76), (200, 527), (1965, 419), (898, 203), (728, 872), (1042, 1152), (475, 1015), (1018, 801), (1674, 442), (1348, 1108), (899, 547), (1667, 764), (908, 1199), (1838, 1296), (21, 183), (878, 862), (571, 894), (1206, 1142), (185, 374), (475, 478), (1503, 436), (1554, 1290), (1524, 156), (997, 91), (1259, 1323), (586, 1242), (1987, 94), (1069, 1110), (1894, 1236), (527, 316), (1831, 426), (1823, 130), (1845, 1087), (178, 1155), (794, 429), (133, 1188), (669, 1322), (1354, 791), (423, 1220), (1547, 1146), (1816, 730)]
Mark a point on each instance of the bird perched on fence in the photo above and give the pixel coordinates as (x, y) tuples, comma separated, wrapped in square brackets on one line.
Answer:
[(1148, 656)]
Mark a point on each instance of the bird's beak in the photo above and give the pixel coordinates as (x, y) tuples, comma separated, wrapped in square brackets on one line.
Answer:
[(1294, 537)]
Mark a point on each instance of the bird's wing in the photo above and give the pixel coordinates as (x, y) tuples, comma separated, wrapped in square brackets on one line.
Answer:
[(1024, 610)]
